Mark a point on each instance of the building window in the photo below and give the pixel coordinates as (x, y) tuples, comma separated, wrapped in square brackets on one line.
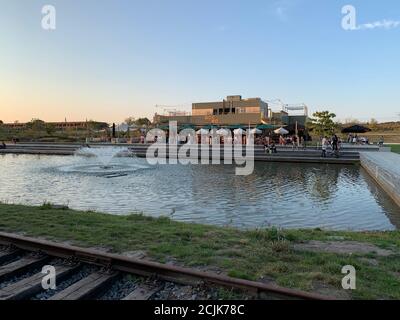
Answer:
[(202, 112), (253, 110)]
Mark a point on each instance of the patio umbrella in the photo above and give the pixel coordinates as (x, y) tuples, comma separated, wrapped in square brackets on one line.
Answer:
[(356, 129), (223, 132), (187, 126), (256, 131), (266, 126), (239, 131), (213, 131), (236, 126), (281, 131), (202, 131), (209, 127)]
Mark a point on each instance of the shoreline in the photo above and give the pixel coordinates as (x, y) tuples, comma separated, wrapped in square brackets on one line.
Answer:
[(309, 260)]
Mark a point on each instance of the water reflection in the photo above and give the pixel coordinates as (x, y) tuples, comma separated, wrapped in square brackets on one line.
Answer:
[(279, 194)]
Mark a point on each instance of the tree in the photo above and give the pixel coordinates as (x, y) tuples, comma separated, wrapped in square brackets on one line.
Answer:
[(36, 125), (373, 123), (322, 123), (1, 122), (50, 128), (94, 125), (130, 121), (143, 122)]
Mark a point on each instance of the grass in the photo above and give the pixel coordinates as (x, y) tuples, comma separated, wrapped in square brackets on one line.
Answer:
[(395, 147), (263, 253)]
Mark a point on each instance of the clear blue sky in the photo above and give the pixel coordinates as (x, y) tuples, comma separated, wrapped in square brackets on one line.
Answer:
[(107, 60)]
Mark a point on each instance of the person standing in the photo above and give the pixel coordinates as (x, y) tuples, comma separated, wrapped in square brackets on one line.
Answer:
[(335, 141), (324, 144), (381, 141), (335, 145)]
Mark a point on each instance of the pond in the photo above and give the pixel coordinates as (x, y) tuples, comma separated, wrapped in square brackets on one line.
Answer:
[(286, 195)]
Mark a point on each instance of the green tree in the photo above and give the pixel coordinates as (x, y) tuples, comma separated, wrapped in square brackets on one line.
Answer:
[(36, 125), (94, 125), (322, 123), (373, 123), (130, 121), (50, 128), (143, 122)]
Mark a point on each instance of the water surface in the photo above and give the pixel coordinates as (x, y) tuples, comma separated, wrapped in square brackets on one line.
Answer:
[(335, 197)]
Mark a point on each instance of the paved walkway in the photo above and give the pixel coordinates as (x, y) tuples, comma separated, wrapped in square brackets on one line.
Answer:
[(384, 167), (387, 161)]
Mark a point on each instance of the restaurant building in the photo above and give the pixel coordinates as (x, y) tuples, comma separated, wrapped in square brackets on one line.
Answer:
[(232, 111)]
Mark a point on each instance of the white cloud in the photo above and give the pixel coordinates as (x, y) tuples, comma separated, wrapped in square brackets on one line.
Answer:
[(281, 13), (281, 9), (383, 24)]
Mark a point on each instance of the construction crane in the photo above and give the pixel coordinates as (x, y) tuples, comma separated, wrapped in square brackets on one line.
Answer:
[(297, 107), (170, 110)]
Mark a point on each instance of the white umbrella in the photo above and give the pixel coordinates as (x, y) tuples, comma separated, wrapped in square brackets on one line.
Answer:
[(123, 127), (281, 131), (213, 131), (202, 131), (255, 131), (223, 132), (239, 131)]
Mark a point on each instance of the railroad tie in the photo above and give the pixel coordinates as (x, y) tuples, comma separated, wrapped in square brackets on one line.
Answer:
[(143, 292), (8, 255), (20, 266), (86, 288), (30, 286)]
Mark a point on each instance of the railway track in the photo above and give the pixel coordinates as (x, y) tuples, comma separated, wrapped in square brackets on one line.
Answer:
[(83, 274)]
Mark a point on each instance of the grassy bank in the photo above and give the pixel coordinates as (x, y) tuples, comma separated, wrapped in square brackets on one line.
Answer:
[(267, 254), (395, 147)]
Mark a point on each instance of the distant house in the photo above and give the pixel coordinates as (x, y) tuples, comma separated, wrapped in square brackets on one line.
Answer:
[(63, 125)]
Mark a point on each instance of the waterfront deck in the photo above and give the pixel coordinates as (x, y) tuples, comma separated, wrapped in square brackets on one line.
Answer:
[(348, 155)]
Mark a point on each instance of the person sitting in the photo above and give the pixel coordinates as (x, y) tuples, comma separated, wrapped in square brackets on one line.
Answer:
[(272, 147), (266, 146), (3, 145)]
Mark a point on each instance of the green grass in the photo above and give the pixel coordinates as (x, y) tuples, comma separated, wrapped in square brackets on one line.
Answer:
[(395, 147), (263, 253)]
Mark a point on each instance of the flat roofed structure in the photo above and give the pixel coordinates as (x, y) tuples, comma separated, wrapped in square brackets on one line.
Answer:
[(230, 111)]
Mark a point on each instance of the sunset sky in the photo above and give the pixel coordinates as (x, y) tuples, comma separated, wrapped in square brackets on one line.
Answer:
[(108, 60)]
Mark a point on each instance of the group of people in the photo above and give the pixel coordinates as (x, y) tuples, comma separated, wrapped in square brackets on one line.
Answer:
[(356, 139), (334, 143), (293, 140), (267, 142)]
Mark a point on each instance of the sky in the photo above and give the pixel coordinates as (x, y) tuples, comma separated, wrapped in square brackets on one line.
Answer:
[(108, 60)]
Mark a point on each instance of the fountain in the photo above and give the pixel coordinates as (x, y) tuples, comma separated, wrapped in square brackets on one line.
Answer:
[(105, 155), (101, 161)]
